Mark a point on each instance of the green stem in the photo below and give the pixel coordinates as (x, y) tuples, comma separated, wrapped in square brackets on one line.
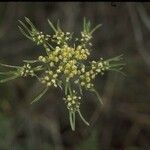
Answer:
[(74, 120), (38, 68), (98, 26), (40, 95), (23, 32), (7, 73), (83, 118), (59, 84), (52, 26), (50, 46), (10, 66), (117, 58), (9, 78), (69, 87), (24, 26), (118, 64), (66, 88), (31, 61), (30, 23), (81, 92), (71, 120), (98, 96), (118, 71)]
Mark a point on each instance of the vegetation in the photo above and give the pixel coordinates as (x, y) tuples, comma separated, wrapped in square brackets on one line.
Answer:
[(64, 65)]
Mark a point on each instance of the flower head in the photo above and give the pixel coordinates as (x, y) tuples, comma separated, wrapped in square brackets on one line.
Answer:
[(65, 64)]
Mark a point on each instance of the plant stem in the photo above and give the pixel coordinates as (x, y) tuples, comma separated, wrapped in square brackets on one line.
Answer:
[(83, 118)]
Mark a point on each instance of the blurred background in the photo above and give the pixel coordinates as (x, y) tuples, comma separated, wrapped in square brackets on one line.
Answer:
[(123, 123)]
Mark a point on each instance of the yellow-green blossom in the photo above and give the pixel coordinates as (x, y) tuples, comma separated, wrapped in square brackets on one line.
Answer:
[(65, 64), (49, 79), (26, 70), (73, 102)]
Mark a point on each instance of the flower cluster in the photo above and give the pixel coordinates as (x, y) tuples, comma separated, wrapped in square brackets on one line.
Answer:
[(61, 37), (39, 37), (100, 66), (86, 77), (26, 70), (85, 37), (49, 79), (64, 65), (81, 53), (73, 101)]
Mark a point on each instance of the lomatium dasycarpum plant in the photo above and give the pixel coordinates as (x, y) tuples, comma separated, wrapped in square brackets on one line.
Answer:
[(64, 65)]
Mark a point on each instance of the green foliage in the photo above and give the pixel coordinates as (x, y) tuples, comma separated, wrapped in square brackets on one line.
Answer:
[(64, 65)]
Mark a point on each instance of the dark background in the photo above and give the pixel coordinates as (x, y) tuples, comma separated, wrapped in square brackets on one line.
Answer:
[(123, 123)]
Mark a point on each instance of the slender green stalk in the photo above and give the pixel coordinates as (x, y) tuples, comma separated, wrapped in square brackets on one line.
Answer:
[(98, 26), (9, 66), (40, 95), (74, 119), (7, 73), (23, 32), (83, 118), (31, 61), (98, 96), (66, 88), (81, 92), (27, 29), (38, 68), (69, 87), (71, 120), (119, 64), (117, 58), (52, 26), (118, 71), (30, 23), (9, 78)]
